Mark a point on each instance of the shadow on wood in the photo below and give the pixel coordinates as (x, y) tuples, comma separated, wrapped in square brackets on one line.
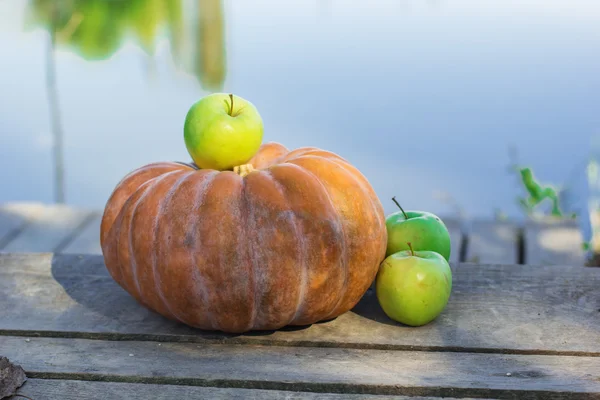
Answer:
[(90, 285), (517, 309), (368, 307)]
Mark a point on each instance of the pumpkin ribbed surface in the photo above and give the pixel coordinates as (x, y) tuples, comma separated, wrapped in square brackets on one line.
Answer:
[(294, 242)]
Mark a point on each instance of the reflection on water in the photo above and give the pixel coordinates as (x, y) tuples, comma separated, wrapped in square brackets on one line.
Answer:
[(95, 29), (425, 98)]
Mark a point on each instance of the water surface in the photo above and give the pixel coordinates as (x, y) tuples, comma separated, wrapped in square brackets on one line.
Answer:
[(424, 97)]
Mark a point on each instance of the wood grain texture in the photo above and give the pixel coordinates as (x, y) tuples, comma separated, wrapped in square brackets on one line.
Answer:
[(554, 243), (47, 228), (513, 309), (492, 242), (87, 241), (330, 370), (89, 390)]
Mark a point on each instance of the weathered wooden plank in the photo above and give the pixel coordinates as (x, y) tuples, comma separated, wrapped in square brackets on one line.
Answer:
[(416, 373), (554, 243), (454, 229), (47, 229), (87, 240), (13, 217), (58, 389), (9, 224), (514, 309), (492, 242)]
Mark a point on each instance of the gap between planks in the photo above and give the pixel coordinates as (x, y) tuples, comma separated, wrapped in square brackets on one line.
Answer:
[(248, 339), (533, 242), (543, 242), (88, 222), (318, 390), (35, 227), (522, 308), (314, 370), (53, 389)]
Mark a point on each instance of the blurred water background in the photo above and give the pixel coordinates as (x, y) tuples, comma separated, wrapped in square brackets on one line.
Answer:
[(437, 102)]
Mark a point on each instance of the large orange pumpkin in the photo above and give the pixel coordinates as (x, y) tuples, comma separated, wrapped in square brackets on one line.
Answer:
[(296, 241)]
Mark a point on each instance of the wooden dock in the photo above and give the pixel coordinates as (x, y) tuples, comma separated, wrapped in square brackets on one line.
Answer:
[(529, 331), (509, 332), (34, 227)]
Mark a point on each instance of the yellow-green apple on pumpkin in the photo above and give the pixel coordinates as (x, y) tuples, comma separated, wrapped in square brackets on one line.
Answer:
[(222, 131)]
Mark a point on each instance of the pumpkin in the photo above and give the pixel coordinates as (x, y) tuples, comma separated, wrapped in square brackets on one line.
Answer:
[(292, 238)]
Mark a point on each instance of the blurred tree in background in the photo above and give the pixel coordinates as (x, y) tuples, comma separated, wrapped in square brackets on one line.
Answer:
[(96, 29)]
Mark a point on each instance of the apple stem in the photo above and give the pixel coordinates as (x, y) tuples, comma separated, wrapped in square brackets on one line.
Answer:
[(399, 206), (411, 249), (231, 108)]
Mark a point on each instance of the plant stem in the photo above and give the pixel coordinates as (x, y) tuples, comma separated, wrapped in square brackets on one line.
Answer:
[(55, 120), (399, 206), (412, 253), (231, 108)]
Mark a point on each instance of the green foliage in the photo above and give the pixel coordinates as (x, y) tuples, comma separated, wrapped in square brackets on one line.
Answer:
[(537, 193), (93, 29), (209, 63), (96, 29), (144, 18)]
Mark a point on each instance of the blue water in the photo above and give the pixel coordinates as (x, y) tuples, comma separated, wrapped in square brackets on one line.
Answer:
[(424, 97)]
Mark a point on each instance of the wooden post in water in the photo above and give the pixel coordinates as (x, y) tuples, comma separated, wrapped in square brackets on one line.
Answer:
[(56, 126)]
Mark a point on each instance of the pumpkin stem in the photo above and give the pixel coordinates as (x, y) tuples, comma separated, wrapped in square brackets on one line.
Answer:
[(231, 108), (243, 170), (399, 206)]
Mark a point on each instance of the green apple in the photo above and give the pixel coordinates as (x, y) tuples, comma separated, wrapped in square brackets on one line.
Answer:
[(413, 287), (222, 131), (426, 231)]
